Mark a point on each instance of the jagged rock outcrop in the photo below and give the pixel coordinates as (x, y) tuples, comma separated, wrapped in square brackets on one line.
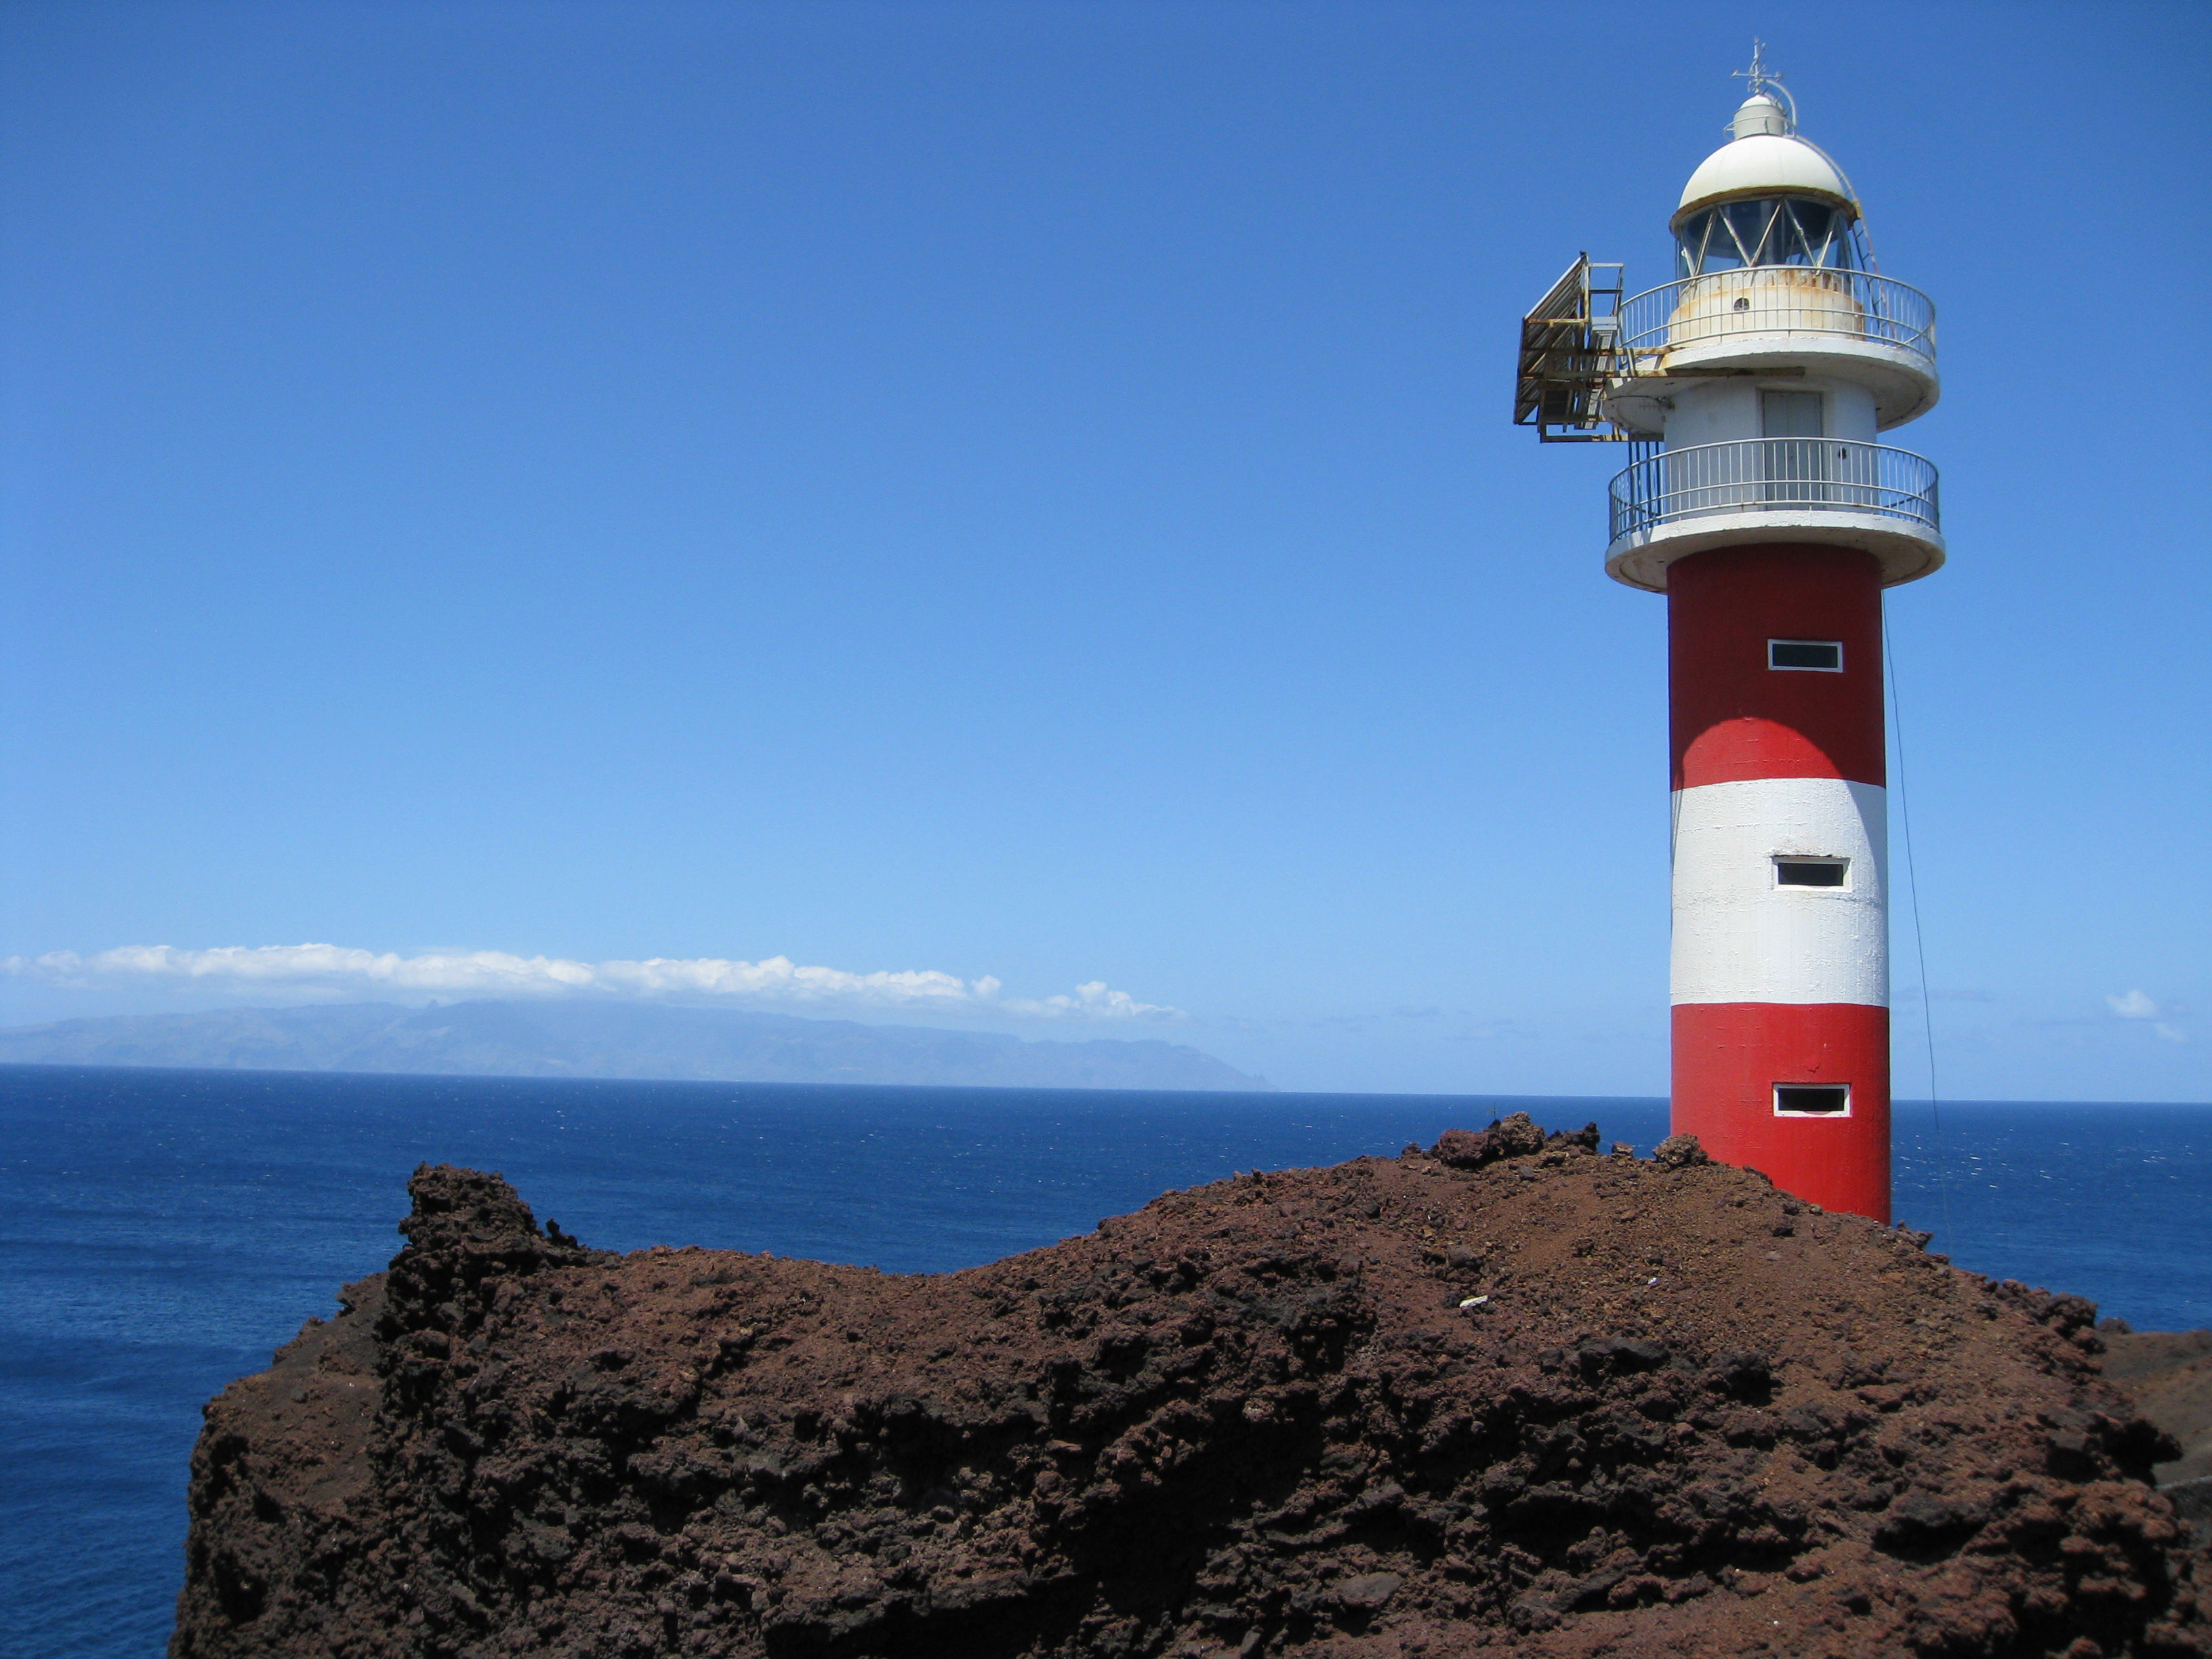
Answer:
[(1515, 1396)]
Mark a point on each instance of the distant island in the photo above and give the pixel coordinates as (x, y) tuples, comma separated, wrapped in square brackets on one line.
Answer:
[(611, 1040)]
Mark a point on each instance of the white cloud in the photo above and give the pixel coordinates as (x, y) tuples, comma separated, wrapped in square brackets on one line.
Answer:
[(1094, 1000), (2135, 1005), (776, 981)]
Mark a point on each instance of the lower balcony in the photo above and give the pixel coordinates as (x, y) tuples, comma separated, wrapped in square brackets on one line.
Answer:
[(1827, 490)]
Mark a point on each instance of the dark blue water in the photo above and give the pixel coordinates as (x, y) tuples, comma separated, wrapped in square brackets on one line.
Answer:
[(162, 1231)]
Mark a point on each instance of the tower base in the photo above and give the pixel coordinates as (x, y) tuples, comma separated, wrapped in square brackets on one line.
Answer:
[(1729, 1057)]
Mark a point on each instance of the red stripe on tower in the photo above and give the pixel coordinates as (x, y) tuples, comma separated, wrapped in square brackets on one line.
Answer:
[(1730, 1056), (1733, 714)]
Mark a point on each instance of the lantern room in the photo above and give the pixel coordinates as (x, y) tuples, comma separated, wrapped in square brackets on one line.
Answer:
[(1767, 197)]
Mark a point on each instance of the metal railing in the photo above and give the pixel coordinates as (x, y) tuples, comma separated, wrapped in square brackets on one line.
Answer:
[(1773, 475), (1698, 311)]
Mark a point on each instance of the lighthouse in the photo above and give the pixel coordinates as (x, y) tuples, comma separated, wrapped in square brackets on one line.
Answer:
[(1752, 392)]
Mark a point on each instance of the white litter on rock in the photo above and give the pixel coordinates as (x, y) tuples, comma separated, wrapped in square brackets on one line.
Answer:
[(1474, 1302)]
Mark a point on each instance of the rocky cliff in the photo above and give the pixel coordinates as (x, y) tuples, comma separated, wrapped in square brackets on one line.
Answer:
[(1509, 1393)]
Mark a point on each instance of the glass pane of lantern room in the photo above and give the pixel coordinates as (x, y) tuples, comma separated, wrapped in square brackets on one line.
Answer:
[(1755, 228), (1789, 414), (1704, 244), (1819, 236)]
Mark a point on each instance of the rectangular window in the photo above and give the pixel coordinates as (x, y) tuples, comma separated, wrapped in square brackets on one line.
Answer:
[(1812, 1100), (1790, 415), (1810, 873), (1821, 656)]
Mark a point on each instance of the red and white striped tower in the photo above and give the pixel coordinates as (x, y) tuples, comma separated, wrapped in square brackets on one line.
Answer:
[(1770, 516)]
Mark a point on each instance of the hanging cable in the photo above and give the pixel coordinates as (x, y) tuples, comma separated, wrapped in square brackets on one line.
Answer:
[(1919, 936)]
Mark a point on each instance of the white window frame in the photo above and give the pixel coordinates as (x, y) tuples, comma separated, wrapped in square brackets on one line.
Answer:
[(1801, 668), (1776, 860), (1780, 1111)]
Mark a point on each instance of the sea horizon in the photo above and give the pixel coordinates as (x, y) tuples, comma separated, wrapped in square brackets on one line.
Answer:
[(1897, 1101)]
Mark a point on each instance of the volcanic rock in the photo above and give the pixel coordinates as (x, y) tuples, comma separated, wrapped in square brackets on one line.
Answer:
[(2169, 1373), (1515, 1396)]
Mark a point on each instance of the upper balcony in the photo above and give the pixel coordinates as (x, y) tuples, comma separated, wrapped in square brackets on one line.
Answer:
[(1821, 490), (1851, 323)]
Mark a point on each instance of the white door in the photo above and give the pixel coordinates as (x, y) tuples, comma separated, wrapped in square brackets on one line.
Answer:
[(1794, 461)]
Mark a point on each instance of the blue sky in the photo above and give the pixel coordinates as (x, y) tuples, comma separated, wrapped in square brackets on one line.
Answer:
[(1023, 494)]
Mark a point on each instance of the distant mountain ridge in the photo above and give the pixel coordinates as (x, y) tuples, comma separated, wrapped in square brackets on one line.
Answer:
[(642, 1041)]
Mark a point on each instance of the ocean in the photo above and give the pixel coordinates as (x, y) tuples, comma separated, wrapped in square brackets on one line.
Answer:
[(162, 1231)]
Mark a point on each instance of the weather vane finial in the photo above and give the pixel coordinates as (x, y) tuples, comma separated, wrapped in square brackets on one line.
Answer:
[(1758, 74)]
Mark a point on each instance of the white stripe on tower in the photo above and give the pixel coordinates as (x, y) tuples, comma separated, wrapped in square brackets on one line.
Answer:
[(1741, 935)]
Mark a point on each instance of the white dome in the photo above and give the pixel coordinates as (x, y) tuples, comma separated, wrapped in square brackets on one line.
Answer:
[(1765, 164)]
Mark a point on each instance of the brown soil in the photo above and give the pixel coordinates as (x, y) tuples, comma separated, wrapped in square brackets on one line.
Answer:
[(1693, 1417)]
